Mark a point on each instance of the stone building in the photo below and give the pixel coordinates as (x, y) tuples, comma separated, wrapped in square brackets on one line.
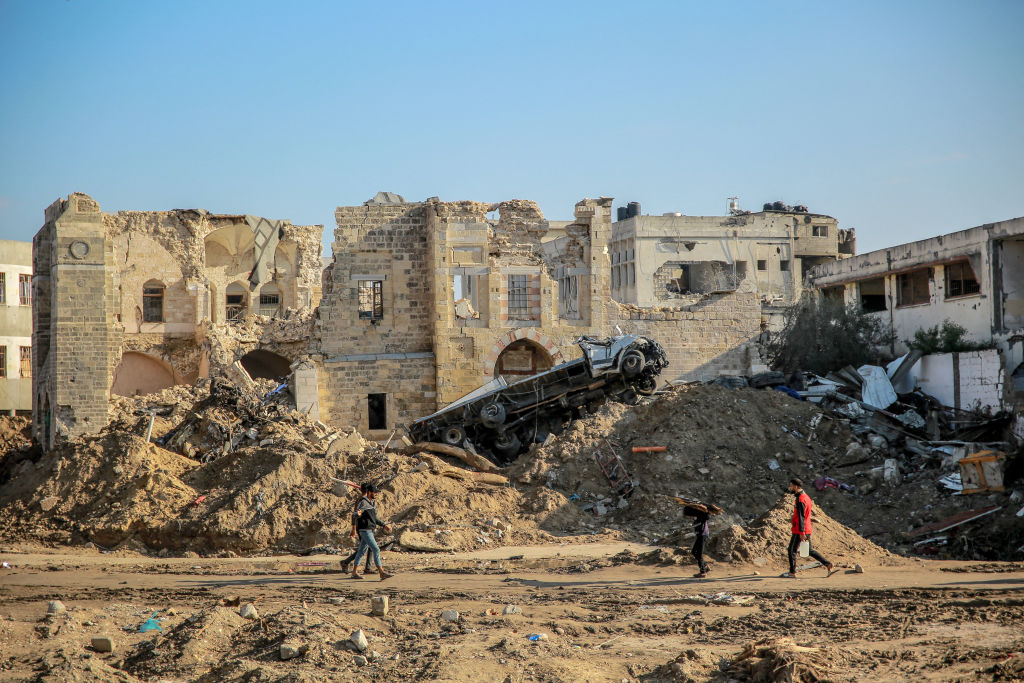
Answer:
[(973, 277), (16, 327), (673, 257), (425, 301), (136, 301)]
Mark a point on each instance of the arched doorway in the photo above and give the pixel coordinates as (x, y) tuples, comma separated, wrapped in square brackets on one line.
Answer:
[(262, 364), (138, 374), (522, 358)]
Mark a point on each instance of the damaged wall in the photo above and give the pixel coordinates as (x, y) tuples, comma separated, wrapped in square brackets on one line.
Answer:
[(972, 277), (158, 283)]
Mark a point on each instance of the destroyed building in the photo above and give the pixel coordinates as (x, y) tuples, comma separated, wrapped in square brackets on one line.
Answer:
[(16, 327), (425, 301), (422, 302), (672, 257), (132, 302), (973, 277)]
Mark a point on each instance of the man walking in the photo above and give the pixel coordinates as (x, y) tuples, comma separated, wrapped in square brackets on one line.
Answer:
[(802, 529), (366, 522), (701, 513)]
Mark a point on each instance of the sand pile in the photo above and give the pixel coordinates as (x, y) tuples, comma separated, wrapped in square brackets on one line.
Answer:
[(241, 474), (737, 449), (15, 433), (768, 536)]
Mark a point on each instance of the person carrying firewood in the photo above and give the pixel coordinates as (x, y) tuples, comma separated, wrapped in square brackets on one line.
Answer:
[(701, 513)]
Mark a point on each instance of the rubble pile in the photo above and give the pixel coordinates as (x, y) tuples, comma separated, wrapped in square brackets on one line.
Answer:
[(738, 448), (764, 540), (235, 471), (15, 433)]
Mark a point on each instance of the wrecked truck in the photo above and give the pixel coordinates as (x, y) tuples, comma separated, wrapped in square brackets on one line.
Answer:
[(501, 420)]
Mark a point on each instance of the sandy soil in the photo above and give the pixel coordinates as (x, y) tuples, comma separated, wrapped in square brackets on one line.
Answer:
[(609, 611)]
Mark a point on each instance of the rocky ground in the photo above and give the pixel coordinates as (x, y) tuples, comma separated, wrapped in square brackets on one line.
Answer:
[(237, 498), (598, 612)]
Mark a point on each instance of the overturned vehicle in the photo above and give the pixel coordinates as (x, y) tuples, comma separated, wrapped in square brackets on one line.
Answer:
[(500, 420)]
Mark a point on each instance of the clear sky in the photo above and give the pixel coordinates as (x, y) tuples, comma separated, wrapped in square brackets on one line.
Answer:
[(902, 119)]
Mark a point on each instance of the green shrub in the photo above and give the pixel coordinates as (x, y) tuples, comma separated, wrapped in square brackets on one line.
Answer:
[(945, 338), (824, 334)]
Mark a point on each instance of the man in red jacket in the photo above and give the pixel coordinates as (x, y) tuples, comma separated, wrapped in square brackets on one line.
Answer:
[(802, 528)]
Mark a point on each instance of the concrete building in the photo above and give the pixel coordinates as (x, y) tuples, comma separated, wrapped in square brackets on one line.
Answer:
[(137, 301), (974, 277), (659, 259), (425, 301), (421, 302), (16, 327)]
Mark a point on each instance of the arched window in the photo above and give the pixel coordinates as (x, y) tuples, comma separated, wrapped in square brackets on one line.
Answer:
[(235, 303), (153, 302), (270, 299)]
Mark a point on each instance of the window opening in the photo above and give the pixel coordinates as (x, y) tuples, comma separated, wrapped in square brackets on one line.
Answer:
[(235, 304), (960, 280), (3, 288), (377, 410), (270, 300), (25, 360), (519, 307), (569, 293), (153, 302), (912, 288), (784, 265), (3, 361), (819, 231), (371, 299), (762, 264), (872, 295), (25, 289)]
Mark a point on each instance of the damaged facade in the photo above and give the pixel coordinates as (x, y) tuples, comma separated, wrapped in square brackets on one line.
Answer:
[(659, 260), (425, 301), (422, 302), (973, 277), (136, 301)]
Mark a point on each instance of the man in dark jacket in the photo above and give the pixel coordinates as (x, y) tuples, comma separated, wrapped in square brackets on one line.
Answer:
[(801, 529), (366, 522), (701, 512)]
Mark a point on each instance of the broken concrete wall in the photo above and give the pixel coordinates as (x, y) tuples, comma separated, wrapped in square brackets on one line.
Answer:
[(974, 380), (165, 274), (759, 252)]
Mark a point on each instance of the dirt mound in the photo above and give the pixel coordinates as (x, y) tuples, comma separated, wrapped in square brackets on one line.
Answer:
[(234, 471), (15, 433), (737, 449), (768, 536)]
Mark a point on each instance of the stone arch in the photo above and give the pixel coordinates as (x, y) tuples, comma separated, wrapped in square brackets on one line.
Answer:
[(263, 364), (139, 373), (530, 334)]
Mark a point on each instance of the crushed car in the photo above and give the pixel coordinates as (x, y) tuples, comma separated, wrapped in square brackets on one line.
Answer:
[(500, 420)]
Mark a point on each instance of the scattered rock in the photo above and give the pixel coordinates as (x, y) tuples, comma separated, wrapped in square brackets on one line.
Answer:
[(449, 615), (248, 611), (379, 605), (358, 640), (49, 503), (336, 601), (857, 569), (103, 644), (512, 609), (374, 656), (292, 650), (56, 607), (359, 660)]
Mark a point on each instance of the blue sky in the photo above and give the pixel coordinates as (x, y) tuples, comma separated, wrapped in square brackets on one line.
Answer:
[(902, 119)]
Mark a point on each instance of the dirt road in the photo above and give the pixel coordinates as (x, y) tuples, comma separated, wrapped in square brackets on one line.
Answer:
[(602, 618)]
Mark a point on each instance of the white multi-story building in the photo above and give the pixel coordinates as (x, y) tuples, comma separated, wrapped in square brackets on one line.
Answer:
[(16, 327)]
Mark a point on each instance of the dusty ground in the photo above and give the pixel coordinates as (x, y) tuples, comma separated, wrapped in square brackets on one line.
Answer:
[(608, 612)]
